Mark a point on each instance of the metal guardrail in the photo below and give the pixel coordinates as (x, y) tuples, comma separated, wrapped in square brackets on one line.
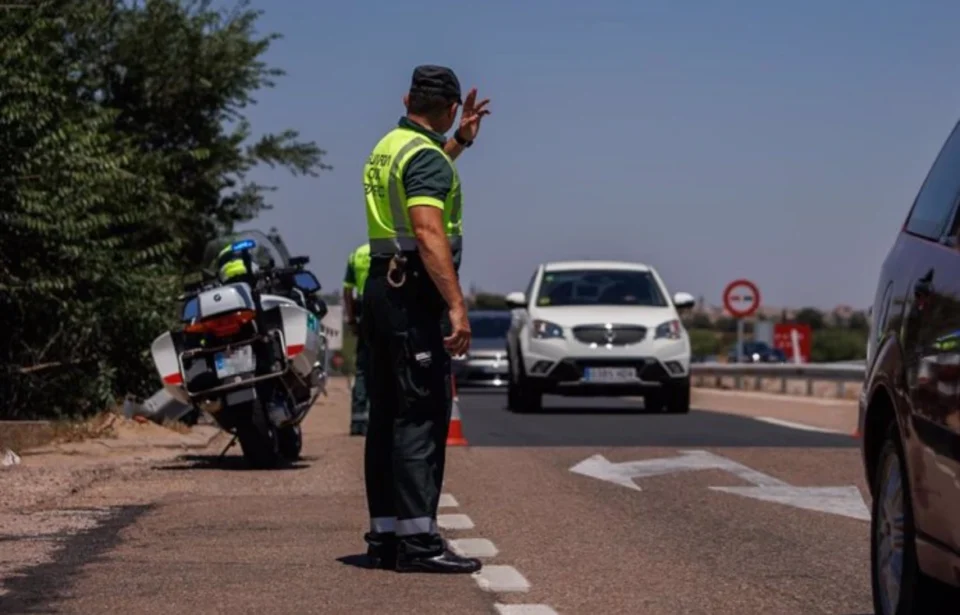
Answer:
[(840, 373)]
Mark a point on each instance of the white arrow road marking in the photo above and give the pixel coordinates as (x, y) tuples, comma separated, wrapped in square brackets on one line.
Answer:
[(624, 473), (844, 501)]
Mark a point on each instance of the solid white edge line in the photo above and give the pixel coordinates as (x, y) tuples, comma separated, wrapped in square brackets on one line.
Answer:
[(448, 501), (792, 425), (524, 609), (455, 522), (501, 579)]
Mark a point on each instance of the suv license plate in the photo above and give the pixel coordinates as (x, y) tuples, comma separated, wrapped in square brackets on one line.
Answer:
[(610, 374), (238, 361)]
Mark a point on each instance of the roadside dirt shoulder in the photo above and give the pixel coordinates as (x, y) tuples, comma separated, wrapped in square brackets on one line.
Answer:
[(125, 447), (833, 414)]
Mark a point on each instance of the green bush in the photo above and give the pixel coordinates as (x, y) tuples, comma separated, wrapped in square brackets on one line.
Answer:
[(117, 165), (704, 342), (831, 345)]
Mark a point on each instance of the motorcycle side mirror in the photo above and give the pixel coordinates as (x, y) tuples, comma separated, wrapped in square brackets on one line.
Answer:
[(306, 281), (299, 261)]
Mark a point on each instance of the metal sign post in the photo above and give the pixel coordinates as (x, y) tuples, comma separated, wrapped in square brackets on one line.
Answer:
[(742, 299)]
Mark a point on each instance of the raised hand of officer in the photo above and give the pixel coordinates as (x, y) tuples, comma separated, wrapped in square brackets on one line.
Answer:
[(458, 342), (471, 115)]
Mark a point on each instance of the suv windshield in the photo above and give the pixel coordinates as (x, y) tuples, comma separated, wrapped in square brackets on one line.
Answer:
[(489, 327), (600, 287)]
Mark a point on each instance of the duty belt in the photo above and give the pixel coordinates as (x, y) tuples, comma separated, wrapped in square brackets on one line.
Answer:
[(397, 270), (408, 244)]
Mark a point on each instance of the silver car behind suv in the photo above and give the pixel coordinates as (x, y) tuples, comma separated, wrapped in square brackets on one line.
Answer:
[(486, 363)]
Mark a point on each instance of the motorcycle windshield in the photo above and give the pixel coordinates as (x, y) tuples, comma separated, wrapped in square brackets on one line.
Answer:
[(266, 250)]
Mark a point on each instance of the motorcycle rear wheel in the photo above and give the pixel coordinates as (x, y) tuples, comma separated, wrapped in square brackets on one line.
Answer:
[(291, 442), (259, 440)]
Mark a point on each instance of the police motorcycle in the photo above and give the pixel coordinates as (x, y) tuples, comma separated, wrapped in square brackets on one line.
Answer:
[(250, 353)]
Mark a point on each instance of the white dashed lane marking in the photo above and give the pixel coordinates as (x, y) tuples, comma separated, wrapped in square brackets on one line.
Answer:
[(490, 578), (474, 547), (455, 522), (524, 609), (501, 579)]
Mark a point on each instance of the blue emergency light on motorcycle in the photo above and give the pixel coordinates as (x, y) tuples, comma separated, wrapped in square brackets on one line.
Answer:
[(246, 244)]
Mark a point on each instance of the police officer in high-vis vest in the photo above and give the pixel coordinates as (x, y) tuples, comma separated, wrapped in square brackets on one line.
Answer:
[(414, 207), (358, 266), (231, 268)]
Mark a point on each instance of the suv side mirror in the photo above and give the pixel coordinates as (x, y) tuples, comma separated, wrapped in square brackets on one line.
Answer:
[(516, 300), (306, 282), (684, 301)]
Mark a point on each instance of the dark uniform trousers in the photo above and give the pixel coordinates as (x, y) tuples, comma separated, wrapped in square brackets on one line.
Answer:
[(359, 395), (410, 404)]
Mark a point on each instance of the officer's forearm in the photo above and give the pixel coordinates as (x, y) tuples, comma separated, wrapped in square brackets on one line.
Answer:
[(452, 148), (438, 261)]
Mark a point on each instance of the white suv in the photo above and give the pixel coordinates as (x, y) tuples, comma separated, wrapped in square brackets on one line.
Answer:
[(598, 328)]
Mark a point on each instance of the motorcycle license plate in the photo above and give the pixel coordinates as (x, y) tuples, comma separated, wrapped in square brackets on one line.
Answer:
[(236, 361)]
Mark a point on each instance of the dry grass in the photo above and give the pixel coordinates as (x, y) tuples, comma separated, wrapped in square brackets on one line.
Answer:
[(176, 426), (23, 435)]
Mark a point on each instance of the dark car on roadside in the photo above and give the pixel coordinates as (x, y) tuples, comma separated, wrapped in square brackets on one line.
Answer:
[(909, 420), (758, 352), (486, 362)]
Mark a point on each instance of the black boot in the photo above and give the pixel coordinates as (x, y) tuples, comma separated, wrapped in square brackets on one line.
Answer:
[(447, 562), (381, 551)]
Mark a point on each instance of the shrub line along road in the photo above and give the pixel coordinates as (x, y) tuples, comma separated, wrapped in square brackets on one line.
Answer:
[(188, 535)]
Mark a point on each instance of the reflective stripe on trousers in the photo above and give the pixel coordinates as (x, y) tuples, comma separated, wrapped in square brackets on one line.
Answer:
[(403, 527)]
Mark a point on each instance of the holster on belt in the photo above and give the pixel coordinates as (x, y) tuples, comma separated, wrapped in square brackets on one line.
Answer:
[(397, 271)]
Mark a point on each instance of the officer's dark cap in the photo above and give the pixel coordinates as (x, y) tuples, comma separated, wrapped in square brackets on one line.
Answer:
[(436, 81)]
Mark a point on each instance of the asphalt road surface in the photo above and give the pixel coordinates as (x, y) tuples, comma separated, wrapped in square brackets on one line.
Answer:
[(704, 513)]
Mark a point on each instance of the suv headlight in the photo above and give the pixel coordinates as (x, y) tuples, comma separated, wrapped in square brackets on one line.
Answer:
[(669, 330), (544, 329)]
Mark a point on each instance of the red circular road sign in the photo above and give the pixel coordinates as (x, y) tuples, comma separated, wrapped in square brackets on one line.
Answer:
[(741, 298)]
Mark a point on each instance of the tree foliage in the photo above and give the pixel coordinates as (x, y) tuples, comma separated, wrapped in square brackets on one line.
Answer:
[(115, 165)]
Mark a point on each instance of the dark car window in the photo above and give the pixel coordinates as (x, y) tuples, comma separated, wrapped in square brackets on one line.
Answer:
[(937, 196), (489, 327), (600, 287)]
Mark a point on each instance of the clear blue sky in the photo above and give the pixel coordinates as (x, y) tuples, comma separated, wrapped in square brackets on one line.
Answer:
[(783, 142)]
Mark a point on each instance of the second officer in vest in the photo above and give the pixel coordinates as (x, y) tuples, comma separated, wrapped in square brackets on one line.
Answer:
[(358, 266), (414, 207)]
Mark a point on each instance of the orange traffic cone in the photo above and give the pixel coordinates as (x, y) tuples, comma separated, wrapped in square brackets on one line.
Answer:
[(455, 435)]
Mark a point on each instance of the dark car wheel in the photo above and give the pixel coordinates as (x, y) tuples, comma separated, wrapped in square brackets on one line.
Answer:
[(899, 586)]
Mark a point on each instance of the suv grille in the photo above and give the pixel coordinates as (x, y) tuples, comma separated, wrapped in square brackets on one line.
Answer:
[(614, 335)]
